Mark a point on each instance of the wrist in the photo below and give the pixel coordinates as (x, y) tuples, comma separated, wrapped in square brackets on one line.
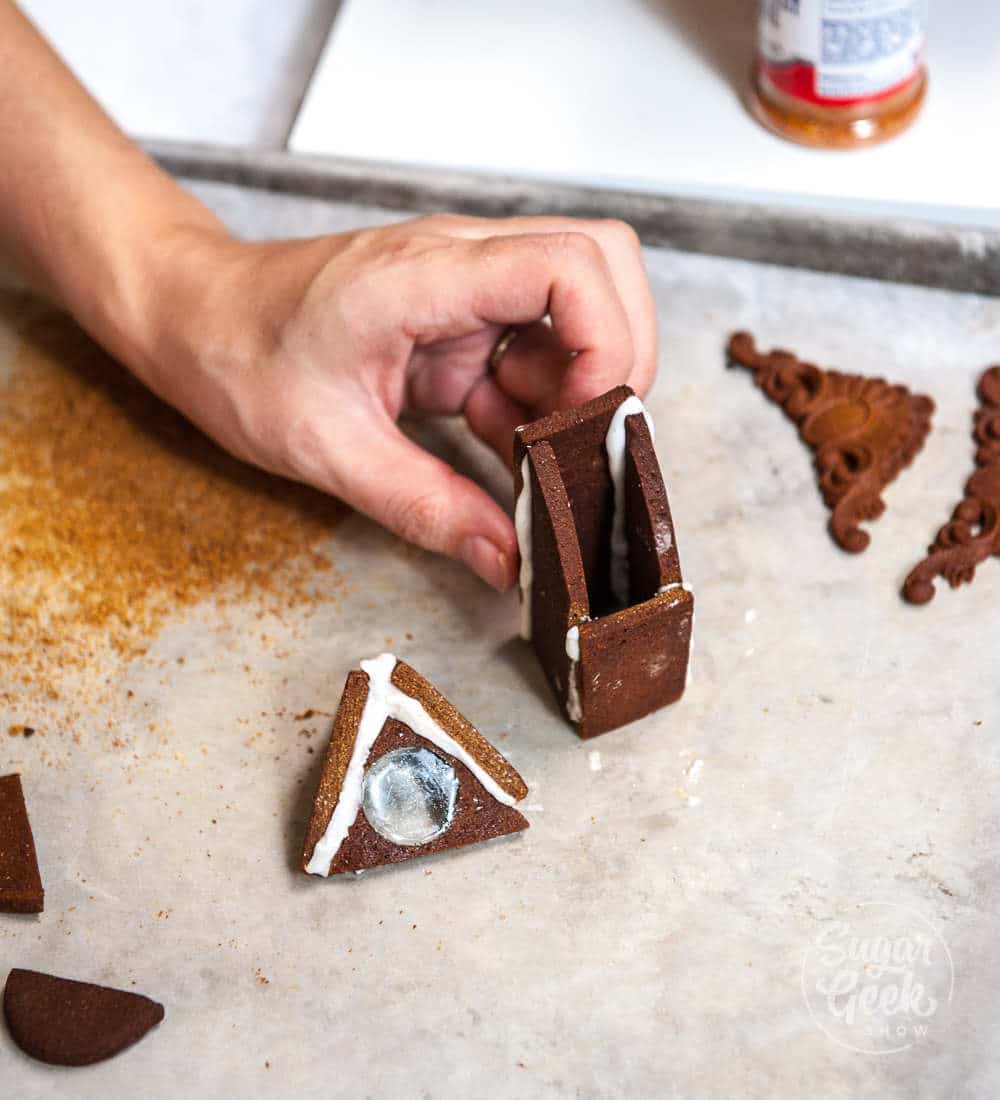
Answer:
[(213, 305), (210, 317), (159, 291)]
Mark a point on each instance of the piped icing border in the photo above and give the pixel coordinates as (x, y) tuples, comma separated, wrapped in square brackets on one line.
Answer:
[(522, 527), (675, 584), (614, 444), (573, 708), (385, 701)]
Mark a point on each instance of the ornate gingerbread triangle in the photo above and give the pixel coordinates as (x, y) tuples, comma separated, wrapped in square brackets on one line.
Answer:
[(863, 431), (973, 534), (405, 775)]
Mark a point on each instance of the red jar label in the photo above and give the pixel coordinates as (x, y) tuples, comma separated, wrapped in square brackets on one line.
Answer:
[(838, 53)]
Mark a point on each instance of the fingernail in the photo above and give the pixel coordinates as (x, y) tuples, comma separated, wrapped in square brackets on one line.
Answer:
[(486, 561)]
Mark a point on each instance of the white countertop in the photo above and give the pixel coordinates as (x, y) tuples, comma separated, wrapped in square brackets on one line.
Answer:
[(639, 94), (231, 71), (632, 94)]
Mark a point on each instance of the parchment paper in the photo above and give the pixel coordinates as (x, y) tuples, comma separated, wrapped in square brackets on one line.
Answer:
[(647, 936)]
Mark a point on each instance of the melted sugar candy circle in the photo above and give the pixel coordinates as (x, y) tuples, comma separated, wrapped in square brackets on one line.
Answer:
[(410, 796)]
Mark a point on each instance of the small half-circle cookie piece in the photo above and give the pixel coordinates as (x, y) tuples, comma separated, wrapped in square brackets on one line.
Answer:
[(68, 1023)]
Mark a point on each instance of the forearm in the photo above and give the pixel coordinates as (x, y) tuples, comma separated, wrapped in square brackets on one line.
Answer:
[(85, 216), (300, 355)]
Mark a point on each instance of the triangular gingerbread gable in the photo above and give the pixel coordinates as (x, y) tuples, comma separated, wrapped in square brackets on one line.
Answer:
[(385, 707)]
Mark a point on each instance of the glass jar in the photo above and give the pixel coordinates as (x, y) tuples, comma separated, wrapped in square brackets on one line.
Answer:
[(839, 73)]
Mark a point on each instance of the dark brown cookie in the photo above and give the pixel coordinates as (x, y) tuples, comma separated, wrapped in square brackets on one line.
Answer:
[(973, 534), (862, 431), (70, 1023), (20, 884), (612, 652), (344, 827)]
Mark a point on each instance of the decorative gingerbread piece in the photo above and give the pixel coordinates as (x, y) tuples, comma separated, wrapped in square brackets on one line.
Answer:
[(862, 431), (68, 1023), (20, 884), (405, 775), (973, 534), (602, 597)]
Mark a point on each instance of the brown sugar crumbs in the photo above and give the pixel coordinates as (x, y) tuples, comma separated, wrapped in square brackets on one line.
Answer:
[(115, 513)]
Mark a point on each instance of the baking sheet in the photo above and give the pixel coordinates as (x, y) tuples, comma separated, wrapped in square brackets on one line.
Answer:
[(647, 936)]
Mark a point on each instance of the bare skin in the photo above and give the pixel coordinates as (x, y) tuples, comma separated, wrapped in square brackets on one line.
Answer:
[(300, 356)]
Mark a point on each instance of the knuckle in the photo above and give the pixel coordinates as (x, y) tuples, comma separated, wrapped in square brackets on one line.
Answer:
[(577, 244), (411, 245), (492, 249), (384, 249), (368, 292), (366, 243), (621, 233), (442, 224), (426, 223)]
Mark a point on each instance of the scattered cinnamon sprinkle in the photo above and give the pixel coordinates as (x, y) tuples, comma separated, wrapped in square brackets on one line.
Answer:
[(311, 713), (117, 514)]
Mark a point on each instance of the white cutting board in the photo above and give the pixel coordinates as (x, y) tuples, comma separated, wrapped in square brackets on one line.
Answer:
[(639, 94)]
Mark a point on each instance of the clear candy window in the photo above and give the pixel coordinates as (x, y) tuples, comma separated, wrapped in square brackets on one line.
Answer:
[(410, 796)]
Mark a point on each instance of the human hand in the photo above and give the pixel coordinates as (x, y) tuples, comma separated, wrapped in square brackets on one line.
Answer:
[(299, 356)]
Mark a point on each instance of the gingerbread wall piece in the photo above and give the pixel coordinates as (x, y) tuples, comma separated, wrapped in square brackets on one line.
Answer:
[(69, 1023), (862, 431), (405, 775), (20, 883), (602, 597), (973, 533)]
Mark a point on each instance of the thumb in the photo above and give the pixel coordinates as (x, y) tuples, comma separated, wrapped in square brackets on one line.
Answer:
[(425, 501)]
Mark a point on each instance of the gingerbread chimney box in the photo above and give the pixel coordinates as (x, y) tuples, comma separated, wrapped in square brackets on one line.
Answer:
[(602, 597)]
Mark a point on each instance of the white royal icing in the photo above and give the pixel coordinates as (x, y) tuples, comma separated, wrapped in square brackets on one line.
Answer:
[(573, 692), (614, 443), (522, 525), (672, 586), (384, 701)]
